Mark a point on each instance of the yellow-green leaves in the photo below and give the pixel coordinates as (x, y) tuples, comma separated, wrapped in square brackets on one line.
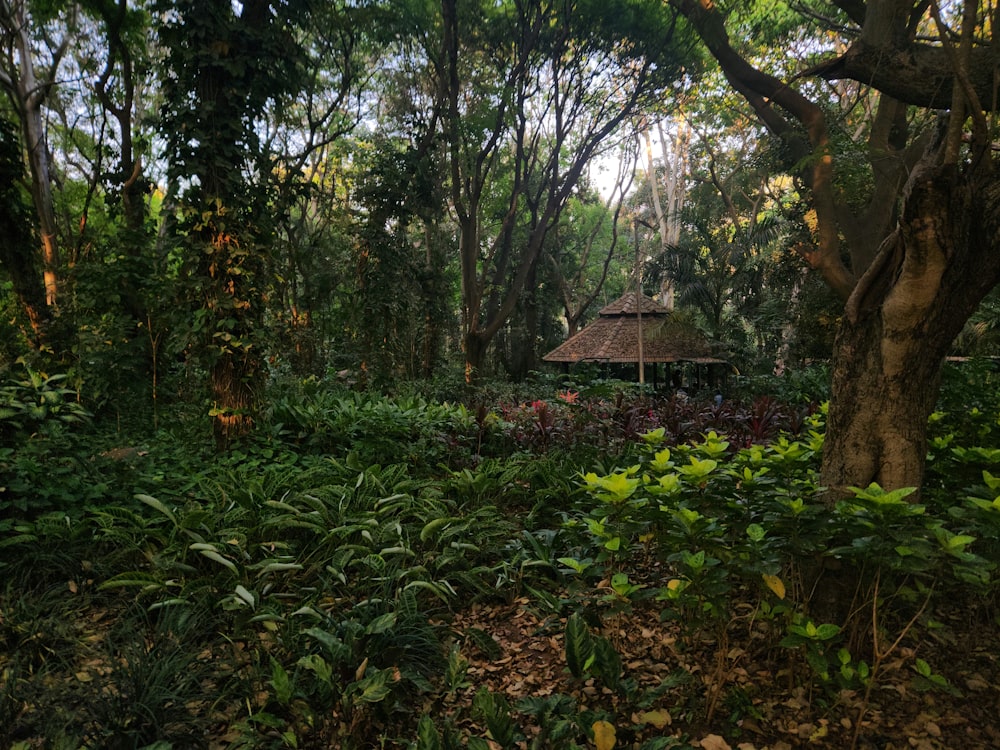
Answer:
[(713, 446), (699, 469), (613, 488), (667, 484), (661, 461), (654, 437)]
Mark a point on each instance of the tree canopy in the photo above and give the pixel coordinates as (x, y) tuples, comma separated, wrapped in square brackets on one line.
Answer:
[(389, 188)]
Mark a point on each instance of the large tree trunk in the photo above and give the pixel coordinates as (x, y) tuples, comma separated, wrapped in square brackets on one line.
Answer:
[(928, 278), (234, 378), (19, 260), (877, 424), (475, 346), (523, 355)]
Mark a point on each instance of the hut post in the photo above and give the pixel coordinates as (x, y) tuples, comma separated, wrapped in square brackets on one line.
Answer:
[(638, 301)]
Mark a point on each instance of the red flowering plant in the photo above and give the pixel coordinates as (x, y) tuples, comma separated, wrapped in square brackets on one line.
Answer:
[(569, 396)]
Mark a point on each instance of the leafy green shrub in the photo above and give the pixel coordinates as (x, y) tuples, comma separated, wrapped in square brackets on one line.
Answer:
[(42, 463), (728, 528), (337, 566), (329, 557), (378, 430), (800, 385), (37, 405)]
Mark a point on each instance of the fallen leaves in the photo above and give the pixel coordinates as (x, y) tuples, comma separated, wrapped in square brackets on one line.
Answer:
[(604, 735), (658, 719), (781, 710), (713, 742)]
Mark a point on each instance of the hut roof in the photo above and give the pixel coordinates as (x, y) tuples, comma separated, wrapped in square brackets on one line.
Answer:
[(614, 337), (626, 305)]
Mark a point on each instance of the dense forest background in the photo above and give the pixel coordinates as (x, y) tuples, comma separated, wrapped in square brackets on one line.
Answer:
[(198, 197)]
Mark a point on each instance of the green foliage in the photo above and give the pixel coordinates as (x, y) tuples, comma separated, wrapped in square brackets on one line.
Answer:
[(38, 404), (333, 578), (373, 428), (731, 526), (587, 655), (44, 462)]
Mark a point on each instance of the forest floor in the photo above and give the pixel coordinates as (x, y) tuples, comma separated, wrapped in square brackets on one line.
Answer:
[(731, 689), (748, 693), (740, 693)]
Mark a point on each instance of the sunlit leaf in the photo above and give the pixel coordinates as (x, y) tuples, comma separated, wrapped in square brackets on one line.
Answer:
[(604, 735), (775, 584), (659, 718)]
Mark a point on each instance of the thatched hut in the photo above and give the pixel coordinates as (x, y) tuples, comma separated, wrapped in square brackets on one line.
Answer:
[(635, 329)]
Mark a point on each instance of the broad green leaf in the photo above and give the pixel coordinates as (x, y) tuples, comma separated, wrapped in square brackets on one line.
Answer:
[(213, 555), (666, 484), (960, 541), (281, 682), (495, 711), (579, 645), (698, 469), (152, 502), (246, 596), (381, 624), (661, 460), (991, 481), (826, 631), (875, 493), (756, 532), (713, 445), (694, 561), (427, 734), (654, 437), (147, 581), (318, 665), (176, 602), (334, 646), (432, 527), (578, 566), (441, 589), (374, 688)]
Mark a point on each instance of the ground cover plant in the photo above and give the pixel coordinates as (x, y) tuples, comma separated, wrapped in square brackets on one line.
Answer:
[(577, 566)]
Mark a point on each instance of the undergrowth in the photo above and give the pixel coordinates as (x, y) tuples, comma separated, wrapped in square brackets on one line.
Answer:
[(303, 589)]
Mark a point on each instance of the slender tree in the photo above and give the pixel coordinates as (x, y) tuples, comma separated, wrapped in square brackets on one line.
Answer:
[(29, 70), (525, 98), (585, 245)]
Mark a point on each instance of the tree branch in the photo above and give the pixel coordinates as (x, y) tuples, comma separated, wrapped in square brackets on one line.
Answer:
[(761, 90)]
